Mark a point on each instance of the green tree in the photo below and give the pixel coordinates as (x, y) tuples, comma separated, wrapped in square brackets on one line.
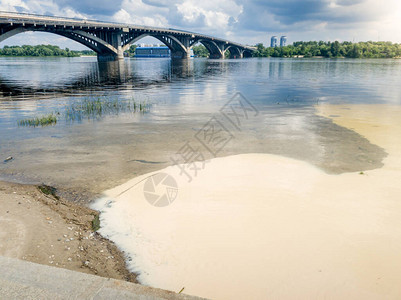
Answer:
[(200, 51)]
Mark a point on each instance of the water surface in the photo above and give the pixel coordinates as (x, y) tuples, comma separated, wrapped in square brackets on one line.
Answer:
[(84, 158)]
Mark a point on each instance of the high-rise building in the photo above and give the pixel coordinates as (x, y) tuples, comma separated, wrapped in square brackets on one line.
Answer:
[(283, 41), (273, 41)]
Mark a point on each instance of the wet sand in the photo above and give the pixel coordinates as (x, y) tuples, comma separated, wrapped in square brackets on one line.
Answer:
[(42, 229), (266, 226)]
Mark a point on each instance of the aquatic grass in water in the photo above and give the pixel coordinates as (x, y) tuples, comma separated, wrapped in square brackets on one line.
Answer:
[(95, 108), (50, 119), (90, 108)]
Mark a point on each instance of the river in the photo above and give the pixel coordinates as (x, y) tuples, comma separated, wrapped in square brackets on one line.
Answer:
[(291, 127)]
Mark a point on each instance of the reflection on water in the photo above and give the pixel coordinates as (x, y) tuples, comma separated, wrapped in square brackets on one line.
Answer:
[(91, 156), (27, 78), (344, 80)]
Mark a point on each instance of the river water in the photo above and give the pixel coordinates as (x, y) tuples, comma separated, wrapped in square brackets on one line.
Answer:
[(82, 158), (278, 149)]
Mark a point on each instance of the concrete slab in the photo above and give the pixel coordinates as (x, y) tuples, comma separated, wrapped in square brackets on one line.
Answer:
[(25, 280)]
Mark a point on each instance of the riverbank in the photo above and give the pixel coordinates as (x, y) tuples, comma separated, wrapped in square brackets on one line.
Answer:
[(42, 229), (281, 226), (262, 225)]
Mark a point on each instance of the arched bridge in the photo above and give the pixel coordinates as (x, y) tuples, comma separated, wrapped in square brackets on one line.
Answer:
[(110, 40)]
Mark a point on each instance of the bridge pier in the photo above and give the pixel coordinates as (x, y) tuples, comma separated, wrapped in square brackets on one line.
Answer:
[(116, 43), (181, 54), (107, 57), (117, 53)]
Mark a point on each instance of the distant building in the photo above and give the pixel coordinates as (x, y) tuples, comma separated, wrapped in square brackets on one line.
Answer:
[(273, 41), (152, 52), (283, 41)]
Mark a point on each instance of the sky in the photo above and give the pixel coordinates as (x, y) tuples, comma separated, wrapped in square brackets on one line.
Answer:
[(247, 21)]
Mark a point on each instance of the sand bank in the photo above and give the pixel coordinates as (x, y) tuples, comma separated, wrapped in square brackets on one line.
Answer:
[(257, 226), (41, 229)]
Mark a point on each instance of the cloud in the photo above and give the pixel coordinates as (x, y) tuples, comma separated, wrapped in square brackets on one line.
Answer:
[(246, 21), (92, 7), (322, 19), (285, 14)]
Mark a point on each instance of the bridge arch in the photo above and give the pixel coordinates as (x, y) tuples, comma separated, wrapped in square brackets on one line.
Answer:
[(235, 52), (91, 41), (11, 33), (247, 53), (211, 46), (178, 49)]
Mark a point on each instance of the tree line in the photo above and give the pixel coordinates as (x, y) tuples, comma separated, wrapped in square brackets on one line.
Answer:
[(332, 49), (42, 50), (297, 49), (322, 49)]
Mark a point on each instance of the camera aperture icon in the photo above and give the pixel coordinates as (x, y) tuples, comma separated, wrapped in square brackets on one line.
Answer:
[(160, 189)]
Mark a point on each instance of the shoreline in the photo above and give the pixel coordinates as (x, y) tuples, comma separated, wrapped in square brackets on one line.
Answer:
[(320, 234), (54, 217), (45, 229)]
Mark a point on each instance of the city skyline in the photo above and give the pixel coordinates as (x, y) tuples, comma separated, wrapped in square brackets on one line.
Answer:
[(248, 22)]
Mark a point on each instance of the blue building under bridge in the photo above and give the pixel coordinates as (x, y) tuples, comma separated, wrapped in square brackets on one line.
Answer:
[(152, 52)]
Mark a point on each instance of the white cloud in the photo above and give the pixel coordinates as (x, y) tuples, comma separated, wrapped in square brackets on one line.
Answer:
[(246, 21)]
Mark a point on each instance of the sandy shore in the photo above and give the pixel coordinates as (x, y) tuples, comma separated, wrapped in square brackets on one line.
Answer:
[(250, 225), (41, 229), (265, 226)]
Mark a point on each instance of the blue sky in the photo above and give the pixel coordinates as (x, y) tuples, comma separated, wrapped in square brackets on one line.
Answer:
[(247, 21)]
